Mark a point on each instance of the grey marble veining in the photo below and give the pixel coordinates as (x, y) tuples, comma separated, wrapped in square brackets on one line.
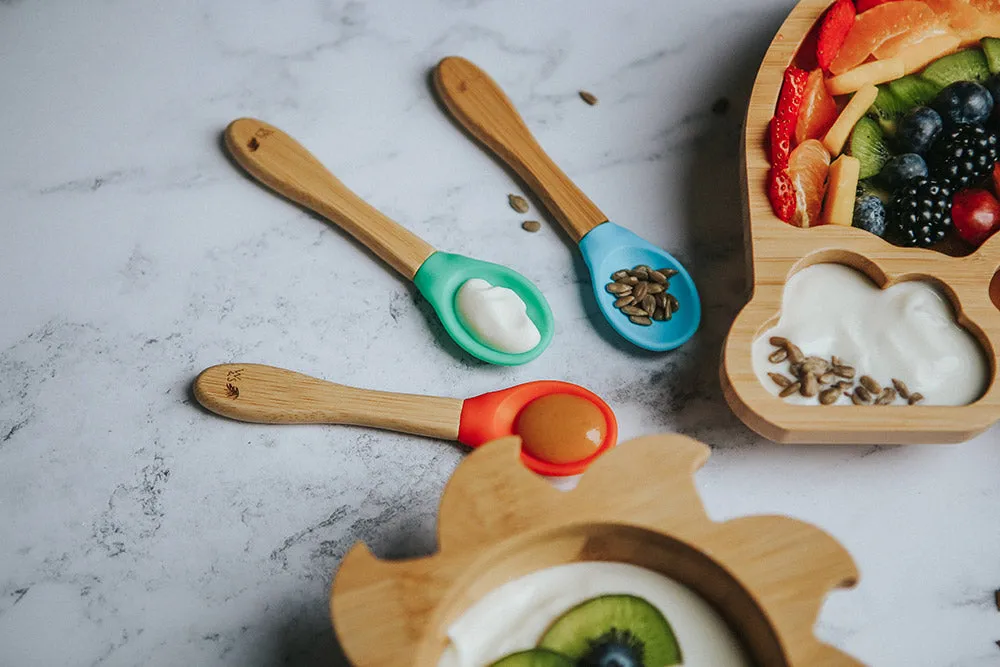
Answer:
[(138, 529)]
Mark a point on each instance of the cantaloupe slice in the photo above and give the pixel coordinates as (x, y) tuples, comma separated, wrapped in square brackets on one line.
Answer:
[(837, 135), (922, 54), (877, 71), (841, 190)]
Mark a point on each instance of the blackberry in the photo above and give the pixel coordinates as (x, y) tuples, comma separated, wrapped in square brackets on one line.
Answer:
[(964, 155), (920, 212)]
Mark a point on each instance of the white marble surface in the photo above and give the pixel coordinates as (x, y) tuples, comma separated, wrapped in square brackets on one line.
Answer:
[(137, 529)]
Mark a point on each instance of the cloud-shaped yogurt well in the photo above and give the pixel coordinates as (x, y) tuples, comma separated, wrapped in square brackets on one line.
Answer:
[(907, 332)]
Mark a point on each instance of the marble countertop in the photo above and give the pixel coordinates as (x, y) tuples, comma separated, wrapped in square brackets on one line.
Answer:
[(138, 529)]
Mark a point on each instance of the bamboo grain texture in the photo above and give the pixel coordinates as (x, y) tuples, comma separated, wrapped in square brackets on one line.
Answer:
[(269, 395), (777, 250), (285, 166)]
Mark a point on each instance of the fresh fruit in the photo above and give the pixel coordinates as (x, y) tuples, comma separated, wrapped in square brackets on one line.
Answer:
[(785, 118), (968, 65), (837, 22), (914, 90), (900, 169), (865, 5), (869, 214), (874, 27), (852, 113), (868, 145), (808, 166), (892, 48), (923, 53), (991, 49), (609, 625), (964, 102), (918, 129), (887, 109), (993, 85), (877, 71), (964, 155), (996, 178), (840, 191), (920, 213), (781, 192), (818, 110), (975, 215), (536, 657)]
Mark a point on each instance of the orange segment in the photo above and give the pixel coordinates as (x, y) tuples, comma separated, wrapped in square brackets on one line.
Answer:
[(808, 166), (969, 20), (818, 110), (894, 46), (875, 27)]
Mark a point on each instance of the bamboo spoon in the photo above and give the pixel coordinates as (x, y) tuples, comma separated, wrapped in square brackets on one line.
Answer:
[(270, 395), (483, 109), (282, 164)]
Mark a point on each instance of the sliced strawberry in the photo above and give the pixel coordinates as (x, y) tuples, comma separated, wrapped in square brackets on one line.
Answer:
[(865, 5), (782, 127), (780, 133), (781, 192), (833, 31)]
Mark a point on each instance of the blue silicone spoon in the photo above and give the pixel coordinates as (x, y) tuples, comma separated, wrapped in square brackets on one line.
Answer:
[(480, 106), (281, 163)]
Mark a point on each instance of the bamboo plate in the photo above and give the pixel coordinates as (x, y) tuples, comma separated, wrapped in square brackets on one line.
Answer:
[(777, 250), (766, 575)]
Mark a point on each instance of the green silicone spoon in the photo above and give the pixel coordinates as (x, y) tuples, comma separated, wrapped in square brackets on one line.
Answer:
[(281, 163)]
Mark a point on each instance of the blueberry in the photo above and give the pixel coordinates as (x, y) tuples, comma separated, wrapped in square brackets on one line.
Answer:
[(869, 214), (964, 103), (918, 129), (993, 85), (901, 168)]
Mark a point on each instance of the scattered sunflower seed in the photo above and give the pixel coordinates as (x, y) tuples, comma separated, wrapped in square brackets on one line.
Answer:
[(640, 320), (904, 391), (779, 379), (793, 388), (869, 383), (843, 371), (778, 356), (857, 400), (827, 378), (810, 386), (778, 341), (887, 397), (518, 203), (794, 353), (531, 225), (830, 396), (589, 98), (915, 398), (863, 393)]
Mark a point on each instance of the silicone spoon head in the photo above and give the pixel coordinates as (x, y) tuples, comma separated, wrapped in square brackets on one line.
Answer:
[(494, 415), (608, 248), (439, 279)]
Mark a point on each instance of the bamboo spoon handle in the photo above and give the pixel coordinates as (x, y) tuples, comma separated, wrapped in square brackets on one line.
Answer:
[(479, 105), (285, 166), (269, 395)]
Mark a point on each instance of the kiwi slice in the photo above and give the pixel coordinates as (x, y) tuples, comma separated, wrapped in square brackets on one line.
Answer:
[(867, 143), (887, 109), (968, 65), (536, 657), (991, 49), (609, 626), (914, 91)]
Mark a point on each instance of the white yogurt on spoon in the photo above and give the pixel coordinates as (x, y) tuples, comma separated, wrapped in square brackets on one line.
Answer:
[(497, 316), (906, 332), (514, 616)]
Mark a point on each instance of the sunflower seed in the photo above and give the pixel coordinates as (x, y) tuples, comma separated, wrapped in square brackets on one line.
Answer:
[(589, 98), (518, 203), (619, 274), (887, 397), (669, 273), (675, 305), (778, 356), (904, 391), (857, 400), (634, 311), (626, 300), (863, 394), (618, 288), (641, 272), (815, 365), (648, 303), (869, 383), (915, 398), (779, 379), (827, 378), (794, 353), (657, 277), (656, 288), (844, 384), (830, 396), (661, 300), (628, 280), (835, 361), (660, 314), (843, 371), (641, 321), (640, 291), (531, 225), (809, 385), (790, 389), (778, 341)]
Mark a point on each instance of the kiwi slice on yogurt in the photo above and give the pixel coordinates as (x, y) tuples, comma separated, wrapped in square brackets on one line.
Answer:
[(625, 628), (536, 657)]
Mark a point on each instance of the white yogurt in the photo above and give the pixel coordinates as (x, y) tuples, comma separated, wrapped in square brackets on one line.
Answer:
[(907, 332), (514, 616), (497, 317)]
